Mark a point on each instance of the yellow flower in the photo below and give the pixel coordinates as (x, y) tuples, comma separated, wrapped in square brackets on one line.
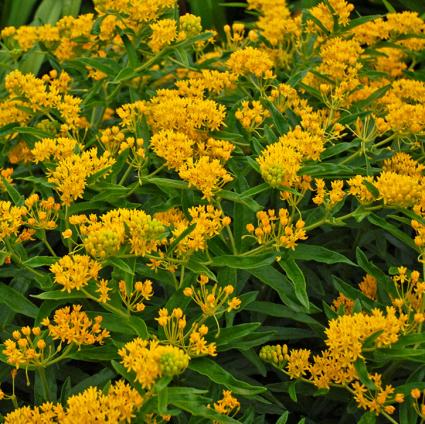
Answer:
[(279, 164), (74, 272), (74, 326), (175, 147), (118, 404), (164, 32), (250, 61), (149, 360), (10, 218), (207, 175), (398, 189)]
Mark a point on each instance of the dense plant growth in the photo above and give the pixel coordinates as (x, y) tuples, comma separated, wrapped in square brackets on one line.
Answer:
[(198, 229)]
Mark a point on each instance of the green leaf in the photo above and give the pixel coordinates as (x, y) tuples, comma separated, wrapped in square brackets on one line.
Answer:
[(96, 353), (39, 261), (189, 399), (59, 295), (14, 195), (219, 375), (368, 418), (278, 282), (292, 391), (231, 334), (294, 273), (392, 229), (120, 264), (133, 58), (16, 301), (243, 262), (237, 198), (310, 252), (362, 372), (71, 7), (283, 418)]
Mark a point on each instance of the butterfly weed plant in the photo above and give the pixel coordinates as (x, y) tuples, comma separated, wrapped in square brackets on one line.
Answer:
[(197, 228)]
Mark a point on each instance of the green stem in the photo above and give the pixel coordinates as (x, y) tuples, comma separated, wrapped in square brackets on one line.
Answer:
[(181, 277), (385, 141), (349, 158), (106, 306), (45, 385), (60, 357), (14, 401), (232, 240), (47, 244), (126, 174)]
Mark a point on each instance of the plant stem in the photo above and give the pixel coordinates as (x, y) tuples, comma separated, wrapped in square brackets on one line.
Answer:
[(126, 174), (47, 244), (42, 374), (106, 306)]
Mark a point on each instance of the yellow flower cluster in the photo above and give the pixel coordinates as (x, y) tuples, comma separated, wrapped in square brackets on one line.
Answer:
[(43, 94), (279, 164), (359, 190), (399, 189), (214, 301), (227, 405), (192, 341), (164, 32), (368, 286), (328, 198), (10, 219), (206, 174), (28, 347), (42, 214), (104, 236), (55, 149), (339, 64), (71, 173), (410, 296), (252, 114), (404, 106), (150, 360), (276, 23), (277, 230), (137, 10), (251, 61), (377, 400), (329, 12), (133, 300), (394, 26), (206, 80), (171, 110), (75, 272), (208, 220), (74, 326), (335, 365), (119, 404)]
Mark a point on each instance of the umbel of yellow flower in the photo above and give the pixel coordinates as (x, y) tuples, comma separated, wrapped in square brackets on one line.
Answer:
[(10, 219), (74, 326), (279, 164), (192, 341), (74, 272), (71, 173), (28, 347), (118, 405), (149, 360), (215, 300), (278, 230)]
